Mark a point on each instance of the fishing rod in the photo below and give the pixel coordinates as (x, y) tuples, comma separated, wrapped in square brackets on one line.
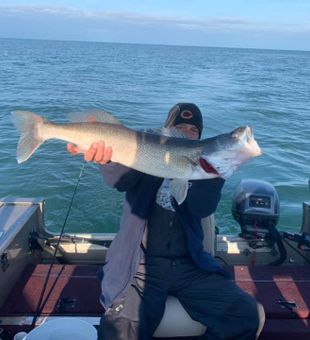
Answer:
[(35, 237), (40, 305)]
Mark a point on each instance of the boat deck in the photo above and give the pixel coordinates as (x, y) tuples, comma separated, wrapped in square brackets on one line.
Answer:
[(73, 290)]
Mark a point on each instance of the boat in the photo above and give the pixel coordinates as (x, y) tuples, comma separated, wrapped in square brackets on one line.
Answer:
[(48, 277)]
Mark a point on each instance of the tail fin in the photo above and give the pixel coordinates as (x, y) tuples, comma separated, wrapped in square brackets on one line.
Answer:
[(28, 124)]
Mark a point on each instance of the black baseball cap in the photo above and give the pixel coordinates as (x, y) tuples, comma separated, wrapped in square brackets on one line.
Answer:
[(187, 113)]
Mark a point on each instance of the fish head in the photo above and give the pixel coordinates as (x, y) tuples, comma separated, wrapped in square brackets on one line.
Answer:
[(224, 154)]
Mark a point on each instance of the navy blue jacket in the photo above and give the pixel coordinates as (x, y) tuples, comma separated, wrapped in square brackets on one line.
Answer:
[(125, 252)]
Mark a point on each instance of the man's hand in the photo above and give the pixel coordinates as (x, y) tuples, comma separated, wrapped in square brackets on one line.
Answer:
[(97, 153)]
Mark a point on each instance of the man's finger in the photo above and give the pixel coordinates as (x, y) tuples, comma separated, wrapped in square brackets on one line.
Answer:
[(99, 152), (71, 148), (107, 155), (90, 153)]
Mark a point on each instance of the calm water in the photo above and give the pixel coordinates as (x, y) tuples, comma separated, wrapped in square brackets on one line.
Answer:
[(266, 89)]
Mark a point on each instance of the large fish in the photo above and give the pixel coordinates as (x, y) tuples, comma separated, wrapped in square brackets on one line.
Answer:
[(158, 154)]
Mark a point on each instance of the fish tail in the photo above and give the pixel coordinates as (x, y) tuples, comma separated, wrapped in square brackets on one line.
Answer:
[(28, 124)]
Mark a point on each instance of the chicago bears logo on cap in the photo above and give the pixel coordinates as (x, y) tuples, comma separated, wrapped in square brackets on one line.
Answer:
[(186, 114)]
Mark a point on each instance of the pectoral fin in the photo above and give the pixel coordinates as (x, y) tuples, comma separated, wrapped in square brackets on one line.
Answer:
[(179, 189)]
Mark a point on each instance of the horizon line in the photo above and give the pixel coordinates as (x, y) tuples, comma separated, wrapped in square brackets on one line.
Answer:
[(156, 44)]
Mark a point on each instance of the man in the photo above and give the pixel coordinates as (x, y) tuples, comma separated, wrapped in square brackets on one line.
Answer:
[(158, 251)]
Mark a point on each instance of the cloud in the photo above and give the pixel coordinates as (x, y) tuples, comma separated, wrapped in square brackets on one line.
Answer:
[(136, 19), (67, 23)]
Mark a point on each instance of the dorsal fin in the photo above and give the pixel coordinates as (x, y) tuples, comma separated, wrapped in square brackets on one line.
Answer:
[(167, 132), (93, 116)]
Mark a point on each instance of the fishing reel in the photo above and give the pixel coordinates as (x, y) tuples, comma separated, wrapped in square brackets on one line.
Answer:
[(256, 207)]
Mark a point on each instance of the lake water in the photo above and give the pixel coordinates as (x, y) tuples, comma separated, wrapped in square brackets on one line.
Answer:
[(267, 89)]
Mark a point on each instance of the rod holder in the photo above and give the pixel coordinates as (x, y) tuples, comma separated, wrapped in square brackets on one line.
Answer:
[(305, 225)]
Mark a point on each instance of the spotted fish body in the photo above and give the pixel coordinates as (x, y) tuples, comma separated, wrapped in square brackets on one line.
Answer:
[(152, 153)]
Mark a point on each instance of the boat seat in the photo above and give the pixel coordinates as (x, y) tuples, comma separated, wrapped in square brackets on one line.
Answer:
[(177, 322)]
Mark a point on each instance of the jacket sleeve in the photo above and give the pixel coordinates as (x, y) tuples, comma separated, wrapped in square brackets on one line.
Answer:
[(119, 176), (204, 195)]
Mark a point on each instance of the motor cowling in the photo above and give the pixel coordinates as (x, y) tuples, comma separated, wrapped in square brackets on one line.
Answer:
[(255, 204), (256, 207)]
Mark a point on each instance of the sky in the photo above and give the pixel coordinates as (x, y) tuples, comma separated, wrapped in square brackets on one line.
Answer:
[(271, 24)]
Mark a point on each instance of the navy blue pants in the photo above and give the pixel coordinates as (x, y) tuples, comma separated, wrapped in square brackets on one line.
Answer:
[(213, 300)]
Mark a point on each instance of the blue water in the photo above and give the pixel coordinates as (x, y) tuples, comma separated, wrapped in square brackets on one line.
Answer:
[(266, 89)]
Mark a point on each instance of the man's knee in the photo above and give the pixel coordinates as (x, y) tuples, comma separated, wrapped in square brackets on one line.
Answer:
[(250, 315)]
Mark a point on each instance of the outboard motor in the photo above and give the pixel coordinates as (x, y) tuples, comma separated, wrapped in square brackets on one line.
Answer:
[(256, 208)]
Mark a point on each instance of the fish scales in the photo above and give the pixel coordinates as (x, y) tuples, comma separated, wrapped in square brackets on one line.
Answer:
[(174, 157), (122, 139), (179, 159)]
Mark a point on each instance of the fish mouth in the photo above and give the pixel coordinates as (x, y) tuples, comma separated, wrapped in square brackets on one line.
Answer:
[(207, 167), (245, 136)]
